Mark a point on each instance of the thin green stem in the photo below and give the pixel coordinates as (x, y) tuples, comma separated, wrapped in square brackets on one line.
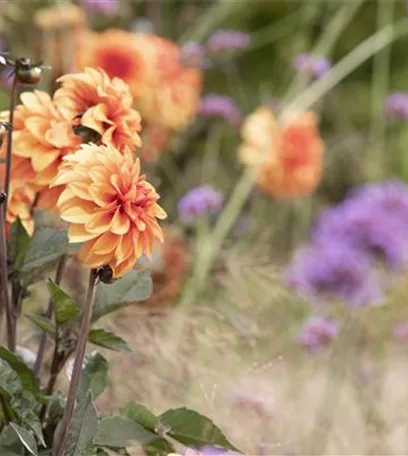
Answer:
[(50, 308), (379, 88), (9, 140), (79, 358)]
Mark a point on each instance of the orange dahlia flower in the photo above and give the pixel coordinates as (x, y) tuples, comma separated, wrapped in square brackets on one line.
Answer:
[(111, 208), (289, 155), (165, 92), (94, 101)]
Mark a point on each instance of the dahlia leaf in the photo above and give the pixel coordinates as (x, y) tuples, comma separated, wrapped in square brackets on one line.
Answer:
[(133, 287), (83, 428), (10, 444), (141, 415), (118, 432), (190, 428), (26, 439), (108, 340), (45, 324), (66, 310), (94, 376)]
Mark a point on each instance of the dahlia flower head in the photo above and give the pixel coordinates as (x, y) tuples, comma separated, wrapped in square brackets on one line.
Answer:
[(311, 64), (164, 90), (396, 105), (317, 332), (202, 200), (110, 207), (288, 155), (220, 106), (334, 272)]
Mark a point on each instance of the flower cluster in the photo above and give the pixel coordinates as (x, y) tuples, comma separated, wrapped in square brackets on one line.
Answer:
[(396, 105), (317, 332), (312, 65), (97, 187), (221, 106), (289, 155), (349, 239), (164, 91), (199, 201)]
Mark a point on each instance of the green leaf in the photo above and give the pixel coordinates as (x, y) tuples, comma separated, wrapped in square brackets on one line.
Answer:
[(190, 428), (135, 286), (46, 246), (159, 447), (141, 415), (10, 444), (66, 311), (26, 439), (10, 383), (45, 324), (108, 339), (94, 376), (19, 241), (27, 378), (83, 428), (118, 432)]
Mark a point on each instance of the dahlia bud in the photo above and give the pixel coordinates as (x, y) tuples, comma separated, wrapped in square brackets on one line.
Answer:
[(3, 197), (28, 73), (106, 274)]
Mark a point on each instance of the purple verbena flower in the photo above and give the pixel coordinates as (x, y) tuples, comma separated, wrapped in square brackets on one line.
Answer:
[(396, 105), (208, 450), (335, 271), (372, 220), (400, 332), (214, 105), (228, 40), (317, 332), (193, 54), (199, 201), (311, 64), (107, 7)]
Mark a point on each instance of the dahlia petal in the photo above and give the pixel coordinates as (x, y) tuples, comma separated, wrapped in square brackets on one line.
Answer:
[(41, 161), (120, 223), (78, 233), (106, 243), (99, 222), (81, 190), (77, 211)]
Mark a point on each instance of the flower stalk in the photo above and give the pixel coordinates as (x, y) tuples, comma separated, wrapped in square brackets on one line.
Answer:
[(48, 314), (59, 449)]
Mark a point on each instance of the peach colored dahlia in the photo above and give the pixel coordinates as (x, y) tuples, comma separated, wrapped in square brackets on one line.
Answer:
[(110, 207)]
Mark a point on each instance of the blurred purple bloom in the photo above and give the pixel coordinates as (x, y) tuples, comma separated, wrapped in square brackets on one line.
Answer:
[(214, 105), (401, 332), (208, 451), (396, 105), (107, 7), (316, 332), (193, 54), (228, 40), (335, 271), (314, 65), (199, 201), (372, 220)]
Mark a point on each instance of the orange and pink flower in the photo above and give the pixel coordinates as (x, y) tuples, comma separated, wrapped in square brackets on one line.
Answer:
[(110, 207)]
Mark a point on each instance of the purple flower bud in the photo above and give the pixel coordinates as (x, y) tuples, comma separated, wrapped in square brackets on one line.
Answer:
[(396, 105), (317, 332), (222, 106), (228, 40), (199, 201), (106, 7), (193, 54), (313, 65)]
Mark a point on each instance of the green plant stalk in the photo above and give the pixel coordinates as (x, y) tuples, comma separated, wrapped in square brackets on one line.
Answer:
[(379, 88), (43, 341), (9, 156), (211, 152), (349, 63), (59, 449), (5, 291)]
